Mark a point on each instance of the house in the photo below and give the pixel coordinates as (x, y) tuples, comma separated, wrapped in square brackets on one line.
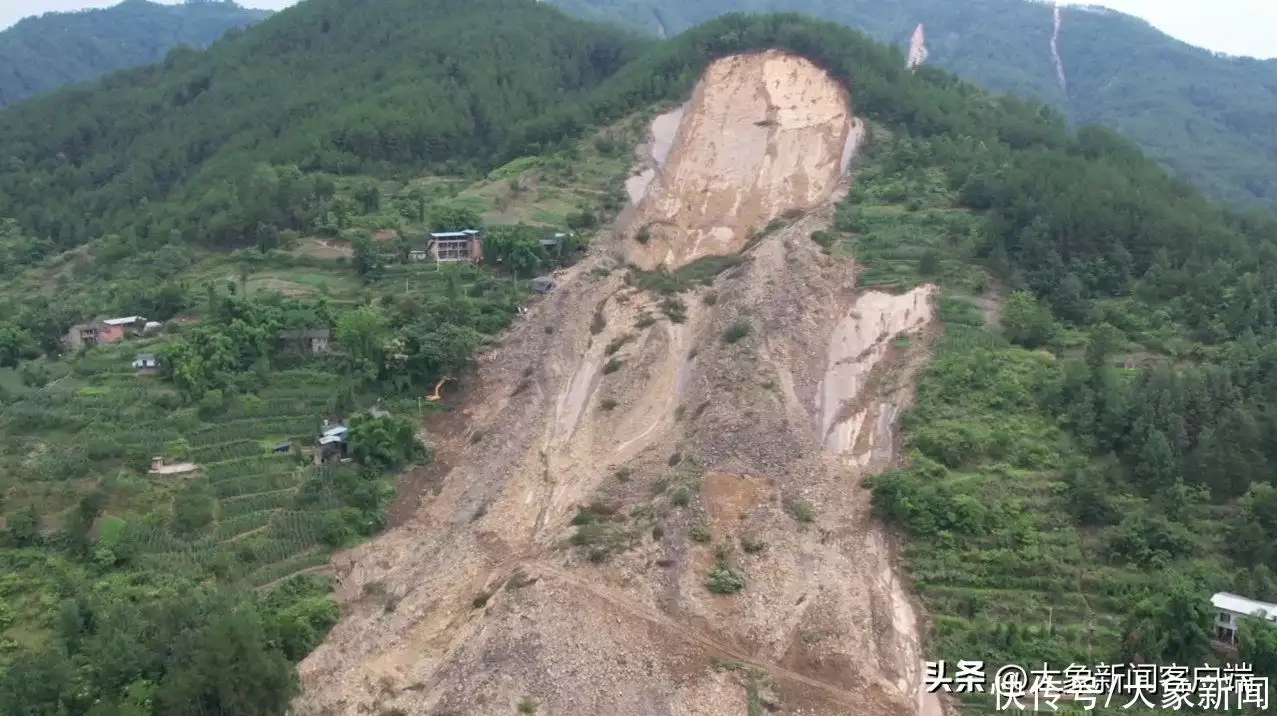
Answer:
[(1231, 608), (100, 333), (451, 247), (146, 363), (543, 284), (128, 323), (331, 444), (315, 341)]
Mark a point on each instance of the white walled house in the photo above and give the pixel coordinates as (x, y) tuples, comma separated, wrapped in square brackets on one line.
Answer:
[(1229, 610)]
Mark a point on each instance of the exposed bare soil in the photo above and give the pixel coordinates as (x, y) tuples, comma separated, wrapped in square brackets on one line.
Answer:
[(475, 600), (762, 135)]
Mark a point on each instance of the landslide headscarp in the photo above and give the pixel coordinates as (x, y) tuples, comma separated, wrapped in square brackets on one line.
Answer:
[(762, 135), (662, 512)]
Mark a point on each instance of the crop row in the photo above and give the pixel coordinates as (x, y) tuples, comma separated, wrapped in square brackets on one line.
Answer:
[(260, 482), (280, 570), (247, 504), (251, 465)]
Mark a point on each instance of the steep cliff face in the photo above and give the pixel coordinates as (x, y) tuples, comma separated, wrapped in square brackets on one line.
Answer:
[(762, 135), (664, 485)]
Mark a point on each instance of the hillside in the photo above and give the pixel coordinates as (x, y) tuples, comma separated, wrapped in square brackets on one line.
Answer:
[(40, 54), (844, 367), (1206, 116), (173, 148)]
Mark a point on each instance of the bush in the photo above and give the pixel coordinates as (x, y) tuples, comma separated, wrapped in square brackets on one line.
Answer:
[(802, 511), (737, 331), (701, 532), (725, 579)]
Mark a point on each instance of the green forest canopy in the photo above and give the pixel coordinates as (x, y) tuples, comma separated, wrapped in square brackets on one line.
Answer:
[(1103, 247), (40, 54)]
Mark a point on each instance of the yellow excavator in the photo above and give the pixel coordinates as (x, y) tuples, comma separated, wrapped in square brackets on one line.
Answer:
[(438, 386)]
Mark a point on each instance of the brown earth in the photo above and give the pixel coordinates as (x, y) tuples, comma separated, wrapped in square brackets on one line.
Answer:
[(762, 135), (477, 600)]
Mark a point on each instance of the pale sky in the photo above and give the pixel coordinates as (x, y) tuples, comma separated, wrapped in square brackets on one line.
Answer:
[(1237, 27)]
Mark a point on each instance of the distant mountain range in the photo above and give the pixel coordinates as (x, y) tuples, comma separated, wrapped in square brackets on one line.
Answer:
[(1210, 117), (43, 53)]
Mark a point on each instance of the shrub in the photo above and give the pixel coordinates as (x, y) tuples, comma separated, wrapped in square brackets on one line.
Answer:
[(701, 532), (612, 366), (675, 309), (738, 330), (682, 497), (802, 511), (725, 579), (753, 545)]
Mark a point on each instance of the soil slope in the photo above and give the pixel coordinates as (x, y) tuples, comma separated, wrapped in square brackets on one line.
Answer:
[(737, 434), (762, 134)]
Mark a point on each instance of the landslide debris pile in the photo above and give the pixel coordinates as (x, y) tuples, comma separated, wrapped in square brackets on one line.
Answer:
[(655, 508)]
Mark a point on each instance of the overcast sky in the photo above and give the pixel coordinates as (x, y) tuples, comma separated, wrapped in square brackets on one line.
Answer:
[(1238, 27)]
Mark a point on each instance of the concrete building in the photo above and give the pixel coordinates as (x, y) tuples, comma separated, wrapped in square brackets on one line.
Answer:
[(1229, 611), (317, 341), (451, 247)]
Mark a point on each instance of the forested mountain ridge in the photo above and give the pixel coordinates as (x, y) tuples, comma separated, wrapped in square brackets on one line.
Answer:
[(1083, 470), (1207, 116), (397, 85), (43, 53)]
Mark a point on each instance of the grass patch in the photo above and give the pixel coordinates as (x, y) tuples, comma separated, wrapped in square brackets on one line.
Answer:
[(701, 272)]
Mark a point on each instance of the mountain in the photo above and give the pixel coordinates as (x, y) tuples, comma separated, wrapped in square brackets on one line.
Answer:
[(833, 367), (43, 53), (1207, 116)]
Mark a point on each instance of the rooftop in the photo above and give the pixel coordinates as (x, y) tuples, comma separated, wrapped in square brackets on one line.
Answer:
[(454, 234), (123, 321), (1241, 605)]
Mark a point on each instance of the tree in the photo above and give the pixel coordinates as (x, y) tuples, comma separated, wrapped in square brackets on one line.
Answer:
[(383, 443), (1027, 322), (193, 508), (1175, 628), (445, 216), (23, 529), (362, 334), (517, 249), (1257, 645), (231, 668), (367, 263)]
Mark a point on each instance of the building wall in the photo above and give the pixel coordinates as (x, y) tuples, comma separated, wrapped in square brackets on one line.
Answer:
[(110, 334)]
